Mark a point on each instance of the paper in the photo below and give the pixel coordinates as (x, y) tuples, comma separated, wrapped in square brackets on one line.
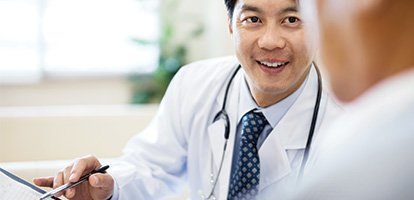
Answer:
[(15, 188)]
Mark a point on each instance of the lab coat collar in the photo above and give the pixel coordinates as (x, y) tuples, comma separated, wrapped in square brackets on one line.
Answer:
[(290, 134)]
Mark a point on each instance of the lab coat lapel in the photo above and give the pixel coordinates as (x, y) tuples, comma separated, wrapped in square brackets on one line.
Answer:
[(216, 136), (291, 133)]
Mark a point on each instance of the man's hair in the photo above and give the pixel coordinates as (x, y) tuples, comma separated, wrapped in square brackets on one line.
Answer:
[(230, 7)]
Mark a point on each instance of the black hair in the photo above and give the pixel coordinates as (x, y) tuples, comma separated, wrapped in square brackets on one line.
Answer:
[(230, 7)]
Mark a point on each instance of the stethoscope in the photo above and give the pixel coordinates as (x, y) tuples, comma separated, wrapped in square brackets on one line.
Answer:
[(222, 114)]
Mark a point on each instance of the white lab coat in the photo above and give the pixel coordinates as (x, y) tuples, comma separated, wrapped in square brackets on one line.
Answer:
[(182, 145)]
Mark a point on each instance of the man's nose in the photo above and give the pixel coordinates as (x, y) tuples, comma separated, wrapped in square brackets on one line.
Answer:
[(271, 38)]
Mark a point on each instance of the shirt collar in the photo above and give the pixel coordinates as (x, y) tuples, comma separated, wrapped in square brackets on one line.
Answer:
[(273, 113)]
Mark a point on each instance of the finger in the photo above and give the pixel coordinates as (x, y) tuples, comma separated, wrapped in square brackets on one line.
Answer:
[(70, 193), (102, 186), (66, 175), (83, 166), (44, 181), (58, 181), (101, 181)]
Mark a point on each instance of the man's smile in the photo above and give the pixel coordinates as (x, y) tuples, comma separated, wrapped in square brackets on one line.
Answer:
[(273, 64)]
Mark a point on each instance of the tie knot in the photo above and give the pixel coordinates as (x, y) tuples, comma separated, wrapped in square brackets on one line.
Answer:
[(253, 124)]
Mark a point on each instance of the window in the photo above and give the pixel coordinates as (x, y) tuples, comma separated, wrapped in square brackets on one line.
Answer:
[(42, 38)]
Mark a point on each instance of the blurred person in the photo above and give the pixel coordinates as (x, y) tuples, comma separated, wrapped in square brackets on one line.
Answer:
[(228, 127), (368, 49)]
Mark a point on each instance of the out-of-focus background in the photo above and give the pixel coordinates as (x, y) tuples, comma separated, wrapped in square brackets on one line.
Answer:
[(81, 77)]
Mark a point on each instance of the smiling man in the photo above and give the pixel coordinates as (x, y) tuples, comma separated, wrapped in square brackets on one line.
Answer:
[(229, 128), (269, 38)]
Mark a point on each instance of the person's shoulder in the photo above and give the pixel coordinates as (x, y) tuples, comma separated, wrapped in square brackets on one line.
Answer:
[(209, 74), (207, 71), (212, 65)]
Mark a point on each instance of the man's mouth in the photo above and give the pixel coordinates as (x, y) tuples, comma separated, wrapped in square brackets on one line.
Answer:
[(274, 64)]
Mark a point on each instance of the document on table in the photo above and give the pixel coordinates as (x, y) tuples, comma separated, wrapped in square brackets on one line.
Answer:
[(13, 187)]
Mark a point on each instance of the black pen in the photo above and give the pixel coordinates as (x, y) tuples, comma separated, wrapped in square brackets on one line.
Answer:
[(69, 185)]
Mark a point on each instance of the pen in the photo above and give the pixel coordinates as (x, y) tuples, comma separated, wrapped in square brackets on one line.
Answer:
[(69, 185)]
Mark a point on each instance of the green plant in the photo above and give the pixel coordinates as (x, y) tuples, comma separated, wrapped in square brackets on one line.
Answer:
[(149, 88)]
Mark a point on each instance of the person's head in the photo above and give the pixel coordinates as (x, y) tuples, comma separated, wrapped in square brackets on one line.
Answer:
[(270, 43), (364, 42)]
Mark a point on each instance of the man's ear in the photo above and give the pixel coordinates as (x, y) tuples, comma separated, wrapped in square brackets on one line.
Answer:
[(229, 25)]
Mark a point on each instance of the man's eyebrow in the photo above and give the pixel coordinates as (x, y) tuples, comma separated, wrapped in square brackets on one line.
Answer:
[(292, 8), (251, 8)]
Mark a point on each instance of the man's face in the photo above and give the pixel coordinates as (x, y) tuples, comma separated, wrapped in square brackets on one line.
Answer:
[(358, 39), (270, 44)]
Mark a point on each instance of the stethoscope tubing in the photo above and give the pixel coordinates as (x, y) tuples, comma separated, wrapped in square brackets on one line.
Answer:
[(313, 124), (223, 114)]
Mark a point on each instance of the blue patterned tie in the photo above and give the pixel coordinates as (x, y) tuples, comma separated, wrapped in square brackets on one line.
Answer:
[(244, 183)]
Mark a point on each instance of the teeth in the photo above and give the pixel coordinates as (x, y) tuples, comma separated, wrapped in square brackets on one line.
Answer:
[(275, 64)]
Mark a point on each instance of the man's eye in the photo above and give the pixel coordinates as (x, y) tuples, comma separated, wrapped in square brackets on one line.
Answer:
[(291, 19), (253, 19)]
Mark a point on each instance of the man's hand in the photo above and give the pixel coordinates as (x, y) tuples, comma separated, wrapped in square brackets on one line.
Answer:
[(99, 187)]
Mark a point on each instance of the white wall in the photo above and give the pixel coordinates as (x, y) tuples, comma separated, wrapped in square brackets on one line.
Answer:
[(67, 132), (93, 91), (116, 90)]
